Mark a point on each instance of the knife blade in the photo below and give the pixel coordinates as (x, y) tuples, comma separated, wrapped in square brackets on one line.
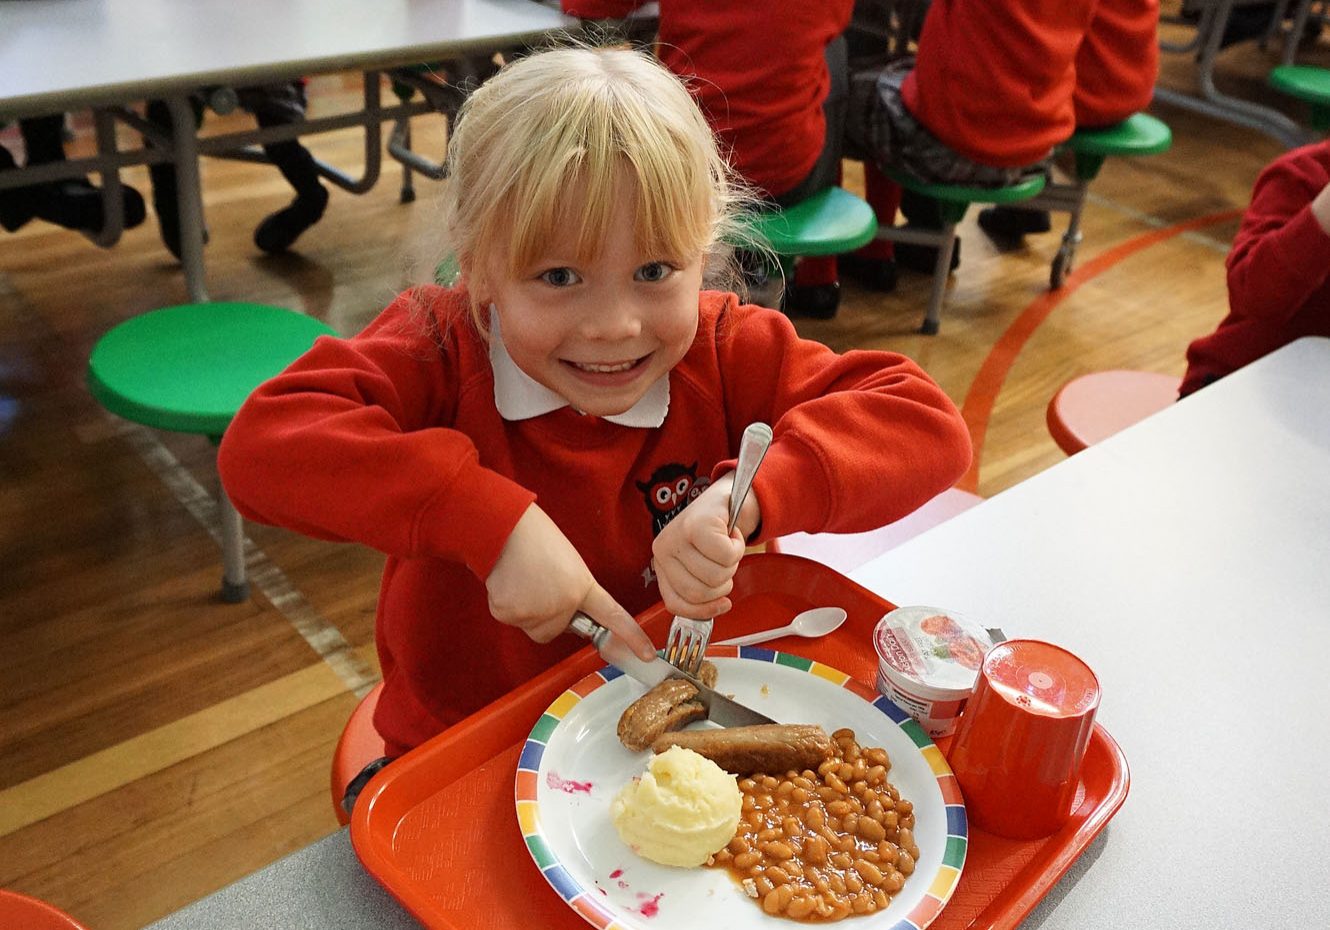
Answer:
[(722, 711)]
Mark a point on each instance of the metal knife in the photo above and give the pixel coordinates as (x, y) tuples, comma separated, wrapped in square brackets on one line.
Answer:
[(721, 710)]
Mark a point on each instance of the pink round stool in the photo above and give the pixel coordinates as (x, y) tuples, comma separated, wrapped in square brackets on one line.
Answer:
[(1095, 406)]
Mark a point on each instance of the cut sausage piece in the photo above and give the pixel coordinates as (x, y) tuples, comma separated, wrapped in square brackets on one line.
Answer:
[(668, 706), (772, 749)]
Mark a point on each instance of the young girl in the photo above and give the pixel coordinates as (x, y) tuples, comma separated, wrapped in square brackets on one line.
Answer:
[(524, 445)]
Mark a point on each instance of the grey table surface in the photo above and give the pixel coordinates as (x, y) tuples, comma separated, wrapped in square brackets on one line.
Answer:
[(59, 54), (320, 887)]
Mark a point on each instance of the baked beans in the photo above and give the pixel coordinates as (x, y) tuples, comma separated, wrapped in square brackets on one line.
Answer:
[(822, 845)]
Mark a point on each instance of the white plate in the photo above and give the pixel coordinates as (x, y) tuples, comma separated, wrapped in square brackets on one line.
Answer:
[(573, 765)]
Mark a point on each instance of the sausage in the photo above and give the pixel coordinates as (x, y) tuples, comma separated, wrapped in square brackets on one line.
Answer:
[(668, 706), (772, 749)]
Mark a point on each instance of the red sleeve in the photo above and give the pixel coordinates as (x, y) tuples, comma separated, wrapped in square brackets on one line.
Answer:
[(600, 9), (861, 439), (351, 442), (1281, 255)]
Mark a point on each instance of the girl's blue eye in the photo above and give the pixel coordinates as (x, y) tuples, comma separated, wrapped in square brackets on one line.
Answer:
[(653, 272), (560, 277)]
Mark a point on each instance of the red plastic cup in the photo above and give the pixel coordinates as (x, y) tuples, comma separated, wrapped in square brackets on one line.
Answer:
[(1020, 743)]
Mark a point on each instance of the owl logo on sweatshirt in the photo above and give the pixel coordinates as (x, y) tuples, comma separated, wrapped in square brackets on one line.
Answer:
[(669, 490)]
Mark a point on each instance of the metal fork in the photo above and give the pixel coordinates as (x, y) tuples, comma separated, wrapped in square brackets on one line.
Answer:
[(688, 639)]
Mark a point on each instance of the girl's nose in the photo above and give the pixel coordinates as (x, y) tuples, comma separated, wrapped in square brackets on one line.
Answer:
[(615, 318)]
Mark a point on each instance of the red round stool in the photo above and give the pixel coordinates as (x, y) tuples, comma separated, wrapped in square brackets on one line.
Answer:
[(24, 913), (358, 746), (1095, 406)]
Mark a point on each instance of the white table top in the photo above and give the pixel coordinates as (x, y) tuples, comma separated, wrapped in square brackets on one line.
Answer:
[(58, 54), (1187, 560)]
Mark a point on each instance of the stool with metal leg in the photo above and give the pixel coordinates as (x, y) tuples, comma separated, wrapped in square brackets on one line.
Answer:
[(188, 369), (1307, 83), (1139, 134), (1094, 406), (953, 200)]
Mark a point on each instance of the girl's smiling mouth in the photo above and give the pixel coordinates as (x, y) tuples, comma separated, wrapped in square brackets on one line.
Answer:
[(606, 368)]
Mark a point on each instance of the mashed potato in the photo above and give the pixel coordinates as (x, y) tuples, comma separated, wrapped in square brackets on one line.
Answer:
[(684, 808)]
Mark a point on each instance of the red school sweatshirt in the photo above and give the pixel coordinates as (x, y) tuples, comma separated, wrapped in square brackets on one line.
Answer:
[(997, 81), (1278, 271), (392, 439), (757, 69)]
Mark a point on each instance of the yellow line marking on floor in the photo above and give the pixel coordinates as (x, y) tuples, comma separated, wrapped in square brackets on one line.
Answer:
[(140, 756)]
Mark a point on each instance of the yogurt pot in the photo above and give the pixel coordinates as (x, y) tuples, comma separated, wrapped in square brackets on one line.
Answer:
[(928, 662)]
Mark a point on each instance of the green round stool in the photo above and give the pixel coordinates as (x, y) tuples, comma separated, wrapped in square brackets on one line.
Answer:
[(953, 200), (1308, 83), (1139, 134), (188, 369), (831, 222)]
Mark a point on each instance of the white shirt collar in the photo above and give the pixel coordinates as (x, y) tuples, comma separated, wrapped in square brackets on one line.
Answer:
[(521, 397)]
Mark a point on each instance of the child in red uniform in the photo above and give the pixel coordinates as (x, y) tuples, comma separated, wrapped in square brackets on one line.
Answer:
[(557, 432), (995, 86), (770, 75), (1278, 270)]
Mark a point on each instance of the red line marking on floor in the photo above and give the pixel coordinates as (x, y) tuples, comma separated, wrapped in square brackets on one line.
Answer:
[(978, 405)]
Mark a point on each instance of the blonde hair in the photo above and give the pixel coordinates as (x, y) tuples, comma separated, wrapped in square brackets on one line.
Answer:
[(541, 147)]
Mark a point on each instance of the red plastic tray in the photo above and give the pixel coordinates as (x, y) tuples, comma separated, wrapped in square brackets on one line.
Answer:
[(439, 830)]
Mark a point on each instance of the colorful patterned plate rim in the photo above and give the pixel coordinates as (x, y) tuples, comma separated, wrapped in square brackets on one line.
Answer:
[(572, 766)]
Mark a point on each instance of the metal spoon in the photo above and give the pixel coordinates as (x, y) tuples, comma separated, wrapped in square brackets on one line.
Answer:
[(811, 623)]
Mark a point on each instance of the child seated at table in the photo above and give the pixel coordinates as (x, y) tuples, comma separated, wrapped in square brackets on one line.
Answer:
[(557, 431), (73, 203), (995, 86), (1278, 269), (280, 104), (770, 75)]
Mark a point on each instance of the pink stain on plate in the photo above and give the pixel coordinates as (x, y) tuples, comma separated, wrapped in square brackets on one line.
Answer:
[(651, 906), (567, 786)]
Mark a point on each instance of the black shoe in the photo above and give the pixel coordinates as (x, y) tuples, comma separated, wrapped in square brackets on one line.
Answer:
[(812, 301), (76, 204), (1013, 222), (18, 205), (923, 258), (877, 273), (1247, 22), (279, 231)]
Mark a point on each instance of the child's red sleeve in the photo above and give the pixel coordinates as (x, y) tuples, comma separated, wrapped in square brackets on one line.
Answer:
[(861, 439), (351, 443), (1281, 255)]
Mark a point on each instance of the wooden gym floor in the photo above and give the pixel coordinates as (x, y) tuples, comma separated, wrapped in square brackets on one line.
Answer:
[(156, 744)]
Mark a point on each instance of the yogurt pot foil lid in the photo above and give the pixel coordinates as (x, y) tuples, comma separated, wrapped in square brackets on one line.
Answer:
[(938, 648)]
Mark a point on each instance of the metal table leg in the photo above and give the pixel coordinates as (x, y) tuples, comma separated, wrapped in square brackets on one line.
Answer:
[(189, 196)]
